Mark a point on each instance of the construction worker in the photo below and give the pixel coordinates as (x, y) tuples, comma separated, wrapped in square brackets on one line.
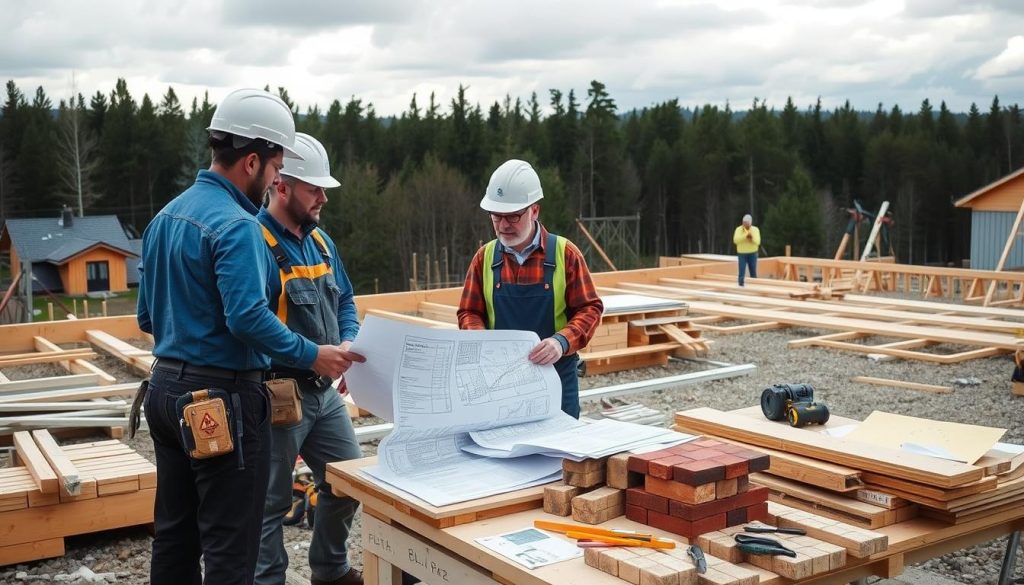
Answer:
[(313, 296), (747, 239), (531, 279), (202, 294)]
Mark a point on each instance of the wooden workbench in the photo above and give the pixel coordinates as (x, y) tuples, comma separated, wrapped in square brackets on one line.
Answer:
[(437, 545)]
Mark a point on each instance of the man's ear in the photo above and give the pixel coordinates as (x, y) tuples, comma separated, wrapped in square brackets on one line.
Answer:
[(252, 164)]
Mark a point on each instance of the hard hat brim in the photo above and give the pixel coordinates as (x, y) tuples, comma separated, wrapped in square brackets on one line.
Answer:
[(493, 206), (322, 182)]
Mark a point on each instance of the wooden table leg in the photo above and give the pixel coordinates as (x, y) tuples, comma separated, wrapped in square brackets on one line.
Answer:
[(1009, 558), (371, 568)]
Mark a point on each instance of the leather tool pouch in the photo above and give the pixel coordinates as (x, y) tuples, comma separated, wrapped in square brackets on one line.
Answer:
[(285, 401), (207, 424)]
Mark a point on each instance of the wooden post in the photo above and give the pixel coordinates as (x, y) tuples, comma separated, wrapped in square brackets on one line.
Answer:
[(376, 286), (75, 305), (1006, 253), (426, 268), (447, 271), (789, 249), (49, 311), (104, 305), (437, 274), (85, 307), (414, 280), (871, 240)]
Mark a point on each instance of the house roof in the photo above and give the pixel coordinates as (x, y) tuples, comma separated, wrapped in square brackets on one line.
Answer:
[(44, 239), (964, 201)]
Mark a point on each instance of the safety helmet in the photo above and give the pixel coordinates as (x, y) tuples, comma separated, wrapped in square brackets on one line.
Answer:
[(313, 168), (256, 114), (513, 186)]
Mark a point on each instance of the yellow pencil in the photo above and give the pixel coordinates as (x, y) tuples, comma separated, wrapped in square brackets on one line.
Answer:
[(566, 527)]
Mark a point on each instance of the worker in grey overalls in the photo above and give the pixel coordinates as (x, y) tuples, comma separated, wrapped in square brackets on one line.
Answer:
[(313, 297), (530, 279)]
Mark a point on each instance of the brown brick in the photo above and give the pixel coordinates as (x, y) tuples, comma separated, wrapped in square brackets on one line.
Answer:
[(742, 483), (731, 448), (662, 468), (706, 442), (584, 466), (638, 463), (736, 517), (584, 480), (756, 461), (681, 492), (726, 488), (685, 528), (597, 500), (734, 466), (753, 496), (644, 499), (618, 474), (636, 513), (558, 498), (698, 472), (658, 574)]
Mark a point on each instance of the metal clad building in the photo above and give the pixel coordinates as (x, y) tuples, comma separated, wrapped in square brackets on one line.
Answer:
[(993, 211)]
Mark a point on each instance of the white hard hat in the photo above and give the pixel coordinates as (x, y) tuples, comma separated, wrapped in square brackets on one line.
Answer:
[(313, 168), (513, 186), (256, 114)]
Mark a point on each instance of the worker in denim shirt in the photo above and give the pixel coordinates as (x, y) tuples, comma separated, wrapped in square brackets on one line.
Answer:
[(203, 295)]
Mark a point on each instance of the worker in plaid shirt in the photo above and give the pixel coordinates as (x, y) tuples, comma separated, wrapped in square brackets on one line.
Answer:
[(530, 279)]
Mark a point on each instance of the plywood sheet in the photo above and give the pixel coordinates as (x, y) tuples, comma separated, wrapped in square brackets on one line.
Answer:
[(962, 442)]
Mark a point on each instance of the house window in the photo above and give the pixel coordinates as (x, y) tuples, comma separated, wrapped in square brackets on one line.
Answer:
[(97, 276)]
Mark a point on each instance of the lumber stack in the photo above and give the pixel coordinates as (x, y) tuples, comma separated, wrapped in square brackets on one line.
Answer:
[(65, 410), (59, 491), (860, 484), (697, 487)]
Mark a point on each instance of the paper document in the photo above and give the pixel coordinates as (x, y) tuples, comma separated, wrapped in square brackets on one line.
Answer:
[(436, 385), (531, 548)]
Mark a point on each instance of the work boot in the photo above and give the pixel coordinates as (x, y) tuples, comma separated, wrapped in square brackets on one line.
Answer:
[(353, 577)]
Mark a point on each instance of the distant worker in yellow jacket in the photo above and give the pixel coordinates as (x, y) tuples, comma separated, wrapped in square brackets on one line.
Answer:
[(747, 239)]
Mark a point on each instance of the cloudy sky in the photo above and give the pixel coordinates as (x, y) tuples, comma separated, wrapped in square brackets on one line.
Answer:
[(645, 51)]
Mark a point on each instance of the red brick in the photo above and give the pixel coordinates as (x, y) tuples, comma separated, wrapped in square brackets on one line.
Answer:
[(636, 513), (742, 483), (758, 512), (647, 500), (707, 453), (674, 490), (638, 463), (662, 468), (707, 443), (684, 448), (685, 528), (731, 448), (756, 461), (736, 517), (698, 472), (754, 496), (734, 466)]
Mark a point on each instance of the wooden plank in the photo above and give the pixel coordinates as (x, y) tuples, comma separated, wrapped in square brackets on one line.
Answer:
[(46, 358), (31, 551), (629, 351), (39, 407), (64, 468), (29, 453), (781, 436), (1010, 239), (859, 543), (411, 319), (75, 366), (116, 390), (902, 384), (78, 517), (874, 516), (50, 382), (140, 359)]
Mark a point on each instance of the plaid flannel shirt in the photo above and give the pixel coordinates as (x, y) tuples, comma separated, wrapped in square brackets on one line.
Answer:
[(583, 306)]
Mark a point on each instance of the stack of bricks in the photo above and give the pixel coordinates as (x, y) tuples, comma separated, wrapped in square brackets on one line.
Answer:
[(813, 556), (697, 487), (665, 567), (592, 491)]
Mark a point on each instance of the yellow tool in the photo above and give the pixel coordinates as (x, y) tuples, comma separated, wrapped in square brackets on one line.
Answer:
[(653, 543), (593, 532)]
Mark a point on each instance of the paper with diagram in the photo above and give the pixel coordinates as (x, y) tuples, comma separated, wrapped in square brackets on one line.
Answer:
[(436, 385)]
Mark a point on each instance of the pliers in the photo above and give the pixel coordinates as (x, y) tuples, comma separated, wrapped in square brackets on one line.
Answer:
[(758, 545)]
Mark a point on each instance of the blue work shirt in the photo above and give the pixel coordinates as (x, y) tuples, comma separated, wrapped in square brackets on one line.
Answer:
[(204, 283), (306, 252)]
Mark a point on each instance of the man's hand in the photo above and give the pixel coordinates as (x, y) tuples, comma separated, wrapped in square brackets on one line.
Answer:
[(548, 351), (335, 360)]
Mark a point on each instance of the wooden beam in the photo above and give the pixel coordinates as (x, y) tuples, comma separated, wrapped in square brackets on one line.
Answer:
[(597, 247), (51, 382), (902, 384), (119, 390), (32, 457), (46, 357), (411, 319), (140, 359), (1011, 237), (20, 337), (952, 358), (75, 366)]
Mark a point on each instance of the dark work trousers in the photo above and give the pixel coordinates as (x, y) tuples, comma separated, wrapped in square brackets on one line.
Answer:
[(207, 507), (747, 261)]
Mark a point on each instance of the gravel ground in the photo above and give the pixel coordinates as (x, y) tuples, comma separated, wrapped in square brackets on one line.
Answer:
[(125, 553)]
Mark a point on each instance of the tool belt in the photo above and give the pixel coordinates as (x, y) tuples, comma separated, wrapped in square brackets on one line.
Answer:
[(285, 401), (208, 427), (302, 377)]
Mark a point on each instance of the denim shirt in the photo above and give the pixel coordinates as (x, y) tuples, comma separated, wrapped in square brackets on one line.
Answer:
[(306, 252), (204, 283)]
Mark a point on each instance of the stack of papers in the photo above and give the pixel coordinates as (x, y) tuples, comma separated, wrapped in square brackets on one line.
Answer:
[(473, 417), (629, 303)]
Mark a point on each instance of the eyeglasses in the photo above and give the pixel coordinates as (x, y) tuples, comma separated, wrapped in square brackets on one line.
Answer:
[(512, 218)]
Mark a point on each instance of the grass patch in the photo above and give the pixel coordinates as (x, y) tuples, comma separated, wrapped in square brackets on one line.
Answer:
[(122, 304)]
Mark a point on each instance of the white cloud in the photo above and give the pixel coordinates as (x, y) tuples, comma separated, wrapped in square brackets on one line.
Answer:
[(1009, 62), (645, 52)]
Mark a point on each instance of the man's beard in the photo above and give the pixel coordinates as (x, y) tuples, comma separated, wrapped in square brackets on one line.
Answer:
[(257, 192), (300, 214)]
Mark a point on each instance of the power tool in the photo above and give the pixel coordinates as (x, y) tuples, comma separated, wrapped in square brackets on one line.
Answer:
[(793, 402)]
